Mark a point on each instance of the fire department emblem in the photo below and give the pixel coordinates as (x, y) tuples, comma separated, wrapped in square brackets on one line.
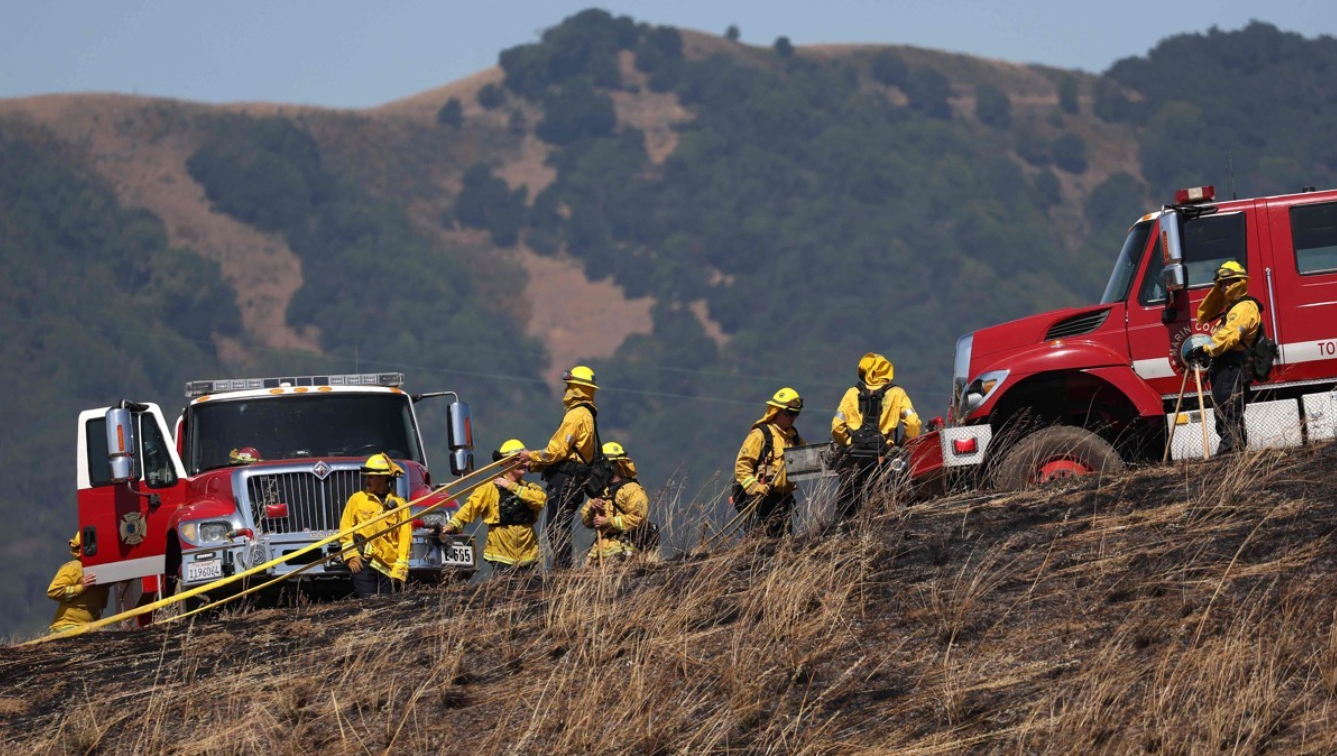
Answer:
[(321, 470), (132, 528)]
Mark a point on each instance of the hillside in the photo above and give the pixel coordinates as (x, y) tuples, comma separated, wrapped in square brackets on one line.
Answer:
[(701, 220), (1173, 610)]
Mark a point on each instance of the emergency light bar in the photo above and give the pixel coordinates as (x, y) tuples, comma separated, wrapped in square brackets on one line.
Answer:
[(1196, 194), (201, 388)]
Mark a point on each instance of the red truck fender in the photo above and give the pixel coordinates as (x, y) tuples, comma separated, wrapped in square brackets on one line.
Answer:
[(1063, 356)]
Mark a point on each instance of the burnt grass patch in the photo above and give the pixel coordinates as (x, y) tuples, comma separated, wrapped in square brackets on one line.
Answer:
[(1180, 609)]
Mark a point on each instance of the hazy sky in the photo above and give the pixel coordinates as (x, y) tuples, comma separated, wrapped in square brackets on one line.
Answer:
[(355, 53)]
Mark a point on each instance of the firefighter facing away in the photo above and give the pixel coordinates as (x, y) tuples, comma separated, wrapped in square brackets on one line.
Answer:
[(1230, 372), (509, 507), (619, 513), (565, 462), (760, 479), (377, 563), (873, 419), (79, 599)]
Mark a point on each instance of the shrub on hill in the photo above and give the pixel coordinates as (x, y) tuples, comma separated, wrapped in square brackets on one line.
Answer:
[(992, 106)]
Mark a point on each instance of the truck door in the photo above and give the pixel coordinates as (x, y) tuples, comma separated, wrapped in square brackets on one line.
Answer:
[(1298, 287), (124, 526), (1154, 340)]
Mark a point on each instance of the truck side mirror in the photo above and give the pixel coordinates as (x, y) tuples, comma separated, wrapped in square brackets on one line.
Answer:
[(1172, 254), (460, 436), (1173, 274), (121, 444)]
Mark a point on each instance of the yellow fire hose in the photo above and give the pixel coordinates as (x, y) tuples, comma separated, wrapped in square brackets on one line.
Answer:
[(317, 563), (192, 592)]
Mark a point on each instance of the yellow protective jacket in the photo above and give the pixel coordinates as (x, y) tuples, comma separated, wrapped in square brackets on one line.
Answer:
[(748, 470), (1240, 326), (77, 605), (574, 438), (876, 371), (506, 544), (630, 508), (389, 553)]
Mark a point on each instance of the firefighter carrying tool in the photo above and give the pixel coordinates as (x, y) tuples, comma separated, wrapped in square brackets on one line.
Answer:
[(565, 462), (387, 556), (509, 507), (619, 515), (874, 419), (1230, 372)]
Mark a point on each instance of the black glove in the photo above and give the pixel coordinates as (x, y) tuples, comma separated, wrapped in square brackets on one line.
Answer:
[(1198, 356)]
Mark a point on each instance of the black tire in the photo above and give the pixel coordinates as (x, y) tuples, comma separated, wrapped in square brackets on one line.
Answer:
[(1060, 451)]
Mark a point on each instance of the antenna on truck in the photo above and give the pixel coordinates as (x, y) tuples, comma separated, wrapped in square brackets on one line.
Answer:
[(1230, 160)]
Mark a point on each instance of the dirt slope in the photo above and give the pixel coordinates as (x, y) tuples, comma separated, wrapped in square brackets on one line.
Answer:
[(1174, 610)]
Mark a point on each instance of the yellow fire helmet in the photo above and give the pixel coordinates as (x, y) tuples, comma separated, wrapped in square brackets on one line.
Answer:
[(76, 543), (787, 399), (514, 446), (580, 376), (1230, 269), (614, 451), (379, 464)]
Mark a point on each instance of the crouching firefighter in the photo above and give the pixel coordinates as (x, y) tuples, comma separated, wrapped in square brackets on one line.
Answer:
[(509, 508), (378, 563), (79, 599), (619, 516), (565, 462), (761, 485), (874, 419)]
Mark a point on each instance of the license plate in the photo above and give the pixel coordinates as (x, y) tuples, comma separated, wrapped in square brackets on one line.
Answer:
[(458, 554), (211, 569)]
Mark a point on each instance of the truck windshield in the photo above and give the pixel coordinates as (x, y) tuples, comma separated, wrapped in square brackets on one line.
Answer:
[(1126, 266), (301, 427)]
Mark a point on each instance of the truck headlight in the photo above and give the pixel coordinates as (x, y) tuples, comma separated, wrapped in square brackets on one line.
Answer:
[(200, 533), (435, 520), (980, 389)]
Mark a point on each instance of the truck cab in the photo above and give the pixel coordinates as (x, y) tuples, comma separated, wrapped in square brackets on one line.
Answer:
[(1093, 388), (163, 508)]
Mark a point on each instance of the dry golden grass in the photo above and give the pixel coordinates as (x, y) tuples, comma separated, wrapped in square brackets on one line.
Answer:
[(1183, 610)]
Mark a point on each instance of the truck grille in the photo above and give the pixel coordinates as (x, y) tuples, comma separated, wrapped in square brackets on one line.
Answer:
[(1077, 325), (313, 503)]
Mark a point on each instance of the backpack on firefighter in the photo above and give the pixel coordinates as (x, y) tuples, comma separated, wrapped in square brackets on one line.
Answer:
[(1262, 353), (867, 444)]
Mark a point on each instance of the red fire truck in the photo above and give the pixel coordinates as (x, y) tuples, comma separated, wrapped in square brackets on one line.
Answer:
[(1089, 389), (162, 506)]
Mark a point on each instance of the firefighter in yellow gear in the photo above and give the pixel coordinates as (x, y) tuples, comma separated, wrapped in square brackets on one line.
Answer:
[(619, 514), (509, 508), (864, 447), (565, 461), (1230, 372), (377, 563), (760, 478), (79, 599)]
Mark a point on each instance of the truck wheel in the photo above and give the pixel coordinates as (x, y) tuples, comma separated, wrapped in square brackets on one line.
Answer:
[(1055, 453)]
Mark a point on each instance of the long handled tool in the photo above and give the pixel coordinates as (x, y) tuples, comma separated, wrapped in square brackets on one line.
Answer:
[(1169, 441), (1202, 412), (312, 565), (446, 489)]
